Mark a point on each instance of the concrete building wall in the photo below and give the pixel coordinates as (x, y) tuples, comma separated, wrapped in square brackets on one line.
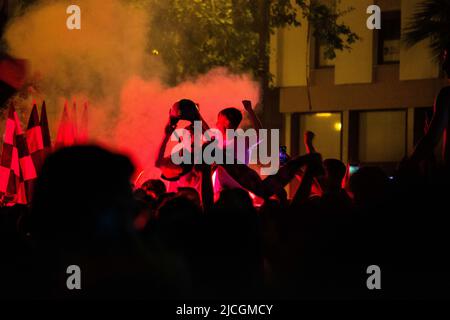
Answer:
[(355, 66), (357, 83), (385, 92), (288, 56)]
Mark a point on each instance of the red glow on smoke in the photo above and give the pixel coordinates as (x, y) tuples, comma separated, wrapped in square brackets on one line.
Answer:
[(145, 111)]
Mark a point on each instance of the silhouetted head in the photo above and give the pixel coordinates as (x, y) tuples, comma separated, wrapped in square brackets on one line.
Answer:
[(177, 208), (190, 194), (178, 222), (235, 240), (184, 109), (334, 173), (235, 201), (228, 118), (369, 186), (154, 186), (83, 199)]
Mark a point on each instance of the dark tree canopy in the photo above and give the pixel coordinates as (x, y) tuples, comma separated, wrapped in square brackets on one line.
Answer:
[(430, 20), (194, 36), (191, 37)]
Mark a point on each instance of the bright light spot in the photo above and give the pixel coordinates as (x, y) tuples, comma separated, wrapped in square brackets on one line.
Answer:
[(214, 178), (323, 115), (338, 126), (155, 52)]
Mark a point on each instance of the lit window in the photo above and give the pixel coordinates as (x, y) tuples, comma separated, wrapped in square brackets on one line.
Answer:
[(382, 136), (327, 128)]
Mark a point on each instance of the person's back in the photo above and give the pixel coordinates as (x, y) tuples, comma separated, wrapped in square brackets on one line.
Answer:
[(334, 197), (234, 246), (81, 215)]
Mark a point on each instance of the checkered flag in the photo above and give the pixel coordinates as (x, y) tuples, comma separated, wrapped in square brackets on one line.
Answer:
[(66, 134), (43, 122), (27, 170), (35, 139), (11, 186)]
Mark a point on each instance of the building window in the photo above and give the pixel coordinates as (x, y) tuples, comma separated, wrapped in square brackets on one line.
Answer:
[(321, 61), (389, 37), (382, 136), (327, 128)]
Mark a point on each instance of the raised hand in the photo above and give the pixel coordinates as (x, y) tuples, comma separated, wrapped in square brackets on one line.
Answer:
[(170, 126), (308, 137), (308, 141), (252, 115), (314, 163), (247, 105)]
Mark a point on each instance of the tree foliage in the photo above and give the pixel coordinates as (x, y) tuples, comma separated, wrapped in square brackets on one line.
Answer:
[(430, 20), (194, 36)]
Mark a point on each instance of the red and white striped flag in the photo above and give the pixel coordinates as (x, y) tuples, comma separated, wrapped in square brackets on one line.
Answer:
[(74, 121), (27, 170), (35, 139), (66, 135), (83, 130), (12, 184), (46, 139), (9, 162)]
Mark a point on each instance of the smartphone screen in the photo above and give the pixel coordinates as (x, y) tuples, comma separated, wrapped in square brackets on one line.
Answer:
[(353, 169), (283, 155)]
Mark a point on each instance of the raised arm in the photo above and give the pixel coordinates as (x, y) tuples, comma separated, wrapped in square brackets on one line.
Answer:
[(309, 146), (313, 169), (256, 123), (168, 130), (308, 141)]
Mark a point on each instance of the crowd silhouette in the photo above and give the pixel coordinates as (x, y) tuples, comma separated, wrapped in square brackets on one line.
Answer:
[(152, 243)]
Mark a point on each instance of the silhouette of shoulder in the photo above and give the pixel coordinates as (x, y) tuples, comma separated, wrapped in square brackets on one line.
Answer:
[(444, 93)]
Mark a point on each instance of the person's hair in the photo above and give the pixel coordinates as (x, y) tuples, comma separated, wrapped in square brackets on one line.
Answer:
[(235, 202), (369, 185), (83, 193), (154, 185), (233, 115), (335, 169), (190, 194)]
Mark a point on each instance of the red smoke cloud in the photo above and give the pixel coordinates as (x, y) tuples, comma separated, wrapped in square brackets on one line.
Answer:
[(144, 111)]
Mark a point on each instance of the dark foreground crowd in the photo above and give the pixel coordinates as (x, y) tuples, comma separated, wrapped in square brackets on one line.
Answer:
[(148, 243)]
